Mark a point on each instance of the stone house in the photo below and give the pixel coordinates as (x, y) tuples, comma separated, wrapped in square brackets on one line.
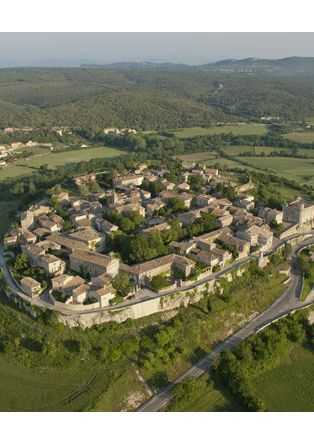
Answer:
[(184, 247), (207, 241), (189, 217), (202, 200), (131, 207), (244, 201), (62, 197), (208, 258), (104, 226), (270, 214), (183, 187), (51, 264), (93, 239), (67, 243), (257, 235), (26, 237), (188, 165), (127, 180), (84, 180), (166, 264), (66, 283), (93, 263), (31, 287), (10, 240), (242, 247), (224, 218), (103, 294), (53, 223), (211, 171), (154, 206)]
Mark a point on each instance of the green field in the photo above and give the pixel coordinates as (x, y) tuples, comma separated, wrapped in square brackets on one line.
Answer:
[(24, 389), (289, 386), (235, 150), (53, 160), (81, 387), (301, 170), (241, 129), (301, 136)]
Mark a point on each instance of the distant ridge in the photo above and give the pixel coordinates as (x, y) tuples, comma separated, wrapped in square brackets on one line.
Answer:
[(134, 65), (293, 65)]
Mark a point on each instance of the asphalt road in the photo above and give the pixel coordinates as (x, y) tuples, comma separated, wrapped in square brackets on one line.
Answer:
[(288, 302)]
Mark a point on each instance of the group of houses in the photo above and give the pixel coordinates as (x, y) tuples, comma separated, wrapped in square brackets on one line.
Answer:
[(78, 262)]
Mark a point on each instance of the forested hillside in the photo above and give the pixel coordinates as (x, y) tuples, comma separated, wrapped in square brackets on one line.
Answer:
[(149, 98)]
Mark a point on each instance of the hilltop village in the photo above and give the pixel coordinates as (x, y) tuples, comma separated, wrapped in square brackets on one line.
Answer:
[(145, 234)]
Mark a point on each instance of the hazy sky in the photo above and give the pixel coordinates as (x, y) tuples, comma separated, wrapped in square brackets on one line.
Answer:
[(70, 49)]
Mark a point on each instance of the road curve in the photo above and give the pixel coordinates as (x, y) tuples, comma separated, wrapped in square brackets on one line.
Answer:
[(288, 302)]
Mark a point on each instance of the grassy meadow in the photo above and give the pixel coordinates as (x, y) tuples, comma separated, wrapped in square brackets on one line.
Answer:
[(240, 129), (235, 150), (29, 389), (289, 386), (24, 167), (301, 136), (301, 170)]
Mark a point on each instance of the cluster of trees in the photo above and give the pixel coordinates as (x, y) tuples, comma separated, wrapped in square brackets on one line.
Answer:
[(294, 152), (306, 266), (21, 266), (186, 392), (127, 223), (161, 347), (196, 182), (228, 247), (153, 187), (159, 282), (123, 284), (138, 247), (237, 370), (141, 247)]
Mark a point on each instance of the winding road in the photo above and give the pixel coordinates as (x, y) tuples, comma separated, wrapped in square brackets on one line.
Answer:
[(288, 302)]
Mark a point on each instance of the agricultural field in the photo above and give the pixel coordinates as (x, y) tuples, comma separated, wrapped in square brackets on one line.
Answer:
[(24, 167), (240, 129), (301, 136), (301, 170), (80, 387), (289, 386), (235, 150), (25, 389)]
